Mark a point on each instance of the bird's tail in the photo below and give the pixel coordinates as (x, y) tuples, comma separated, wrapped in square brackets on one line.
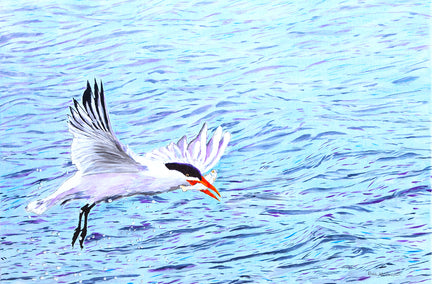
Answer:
[(65, 193), (39, 206)]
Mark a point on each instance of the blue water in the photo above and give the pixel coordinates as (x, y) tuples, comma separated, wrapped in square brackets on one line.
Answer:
[(327, 177)]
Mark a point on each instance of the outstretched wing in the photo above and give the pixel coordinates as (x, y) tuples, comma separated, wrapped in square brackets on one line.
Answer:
[(199, 153), (95, 148)]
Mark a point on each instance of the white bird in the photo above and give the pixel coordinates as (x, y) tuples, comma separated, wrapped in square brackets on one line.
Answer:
[(108, 170)]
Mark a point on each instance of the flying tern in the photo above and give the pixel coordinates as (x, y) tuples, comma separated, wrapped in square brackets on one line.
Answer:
[(108, 170)]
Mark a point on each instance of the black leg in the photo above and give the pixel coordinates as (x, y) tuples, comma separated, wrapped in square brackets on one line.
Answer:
[(84, 210), (78, 228), (84, 229)]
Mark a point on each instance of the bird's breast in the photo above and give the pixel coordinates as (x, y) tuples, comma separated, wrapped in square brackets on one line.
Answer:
[(100, 187)]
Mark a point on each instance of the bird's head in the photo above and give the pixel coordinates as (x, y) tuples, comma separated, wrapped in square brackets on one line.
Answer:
[(193, 176)]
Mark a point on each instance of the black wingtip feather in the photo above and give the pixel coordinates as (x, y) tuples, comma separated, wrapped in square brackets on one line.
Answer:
[(75, 103), (91, 114), (73, 118), (96, 89), (102, 98), (87, 94)]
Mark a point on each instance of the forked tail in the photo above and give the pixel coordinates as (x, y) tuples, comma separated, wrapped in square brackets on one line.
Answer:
[(65, 193), (39, 206)]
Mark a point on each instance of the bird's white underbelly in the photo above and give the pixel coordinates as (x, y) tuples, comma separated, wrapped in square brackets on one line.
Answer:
[(103, 187), (100, 187)]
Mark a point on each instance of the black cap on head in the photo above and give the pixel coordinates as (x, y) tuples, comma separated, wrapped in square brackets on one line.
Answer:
[(186, 169)]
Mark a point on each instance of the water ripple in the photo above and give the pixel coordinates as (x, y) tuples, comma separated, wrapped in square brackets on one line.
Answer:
[(327, 176)]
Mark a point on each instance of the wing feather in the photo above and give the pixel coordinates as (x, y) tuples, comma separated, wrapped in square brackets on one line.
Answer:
[(199, 153), (213, 144), (95, 148), (182, 144), (220, 150)]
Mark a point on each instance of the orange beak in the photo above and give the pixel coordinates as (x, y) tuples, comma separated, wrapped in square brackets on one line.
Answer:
[(208, 185)]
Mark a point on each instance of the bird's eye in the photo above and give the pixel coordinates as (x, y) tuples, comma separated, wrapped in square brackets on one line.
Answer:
[(187, 175)]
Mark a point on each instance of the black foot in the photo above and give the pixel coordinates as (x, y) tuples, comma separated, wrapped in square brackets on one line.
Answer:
[(83, 232), (84, 210), (76, 233), (78, 228)]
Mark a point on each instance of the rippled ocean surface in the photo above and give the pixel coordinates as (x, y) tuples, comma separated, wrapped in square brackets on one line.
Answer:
[(327, 177)]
